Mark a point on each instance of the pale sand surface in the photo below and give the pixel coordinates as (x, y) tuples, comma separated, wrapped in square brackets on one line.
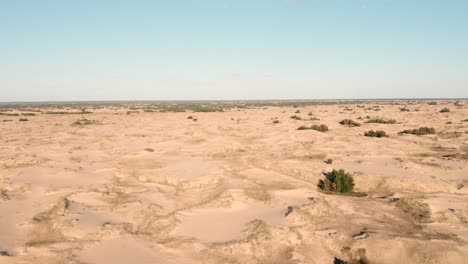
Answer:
[(218, 190)]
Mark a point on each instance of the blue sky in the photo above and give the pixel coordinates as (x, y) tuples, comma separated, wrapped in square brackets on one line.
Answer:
[(232, 49)]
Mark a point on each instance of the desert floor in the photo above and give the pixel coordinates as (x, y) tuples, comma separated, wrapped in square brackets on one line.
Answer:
[(233, 186)]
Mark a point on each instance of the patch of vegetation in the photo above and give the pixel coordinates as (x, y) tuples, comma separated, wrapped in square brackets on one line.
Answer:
[(404, 109), (9, 114), (84, 122), (276, 121), (67, 113), (337, 181), (320, 128), (189, 117), (295, 117), (377, 133), (23, 120), (297, 112), (432, 103), (349, 122), (419, 131), (28, 114), (310, 114), (445, 110), (418, 210), (7, 120), (328, 161), (378, 120)]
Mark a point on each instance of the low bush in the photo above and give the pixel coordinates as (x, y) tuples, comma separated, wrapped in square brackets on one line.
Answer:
[(28, 114), (349, 122), (297, 112), (337, 181), (276, 121), (445, 110), (295, 117), (320, 128), (381, 121), (189, 117), (377, 133), (419, 131), (84, 122), (23, 120), (329, 161), (404, 109)]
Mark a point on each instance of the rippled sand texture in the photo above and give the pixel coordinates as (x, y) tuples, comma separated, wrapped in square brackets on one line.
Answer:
[(233, 187)]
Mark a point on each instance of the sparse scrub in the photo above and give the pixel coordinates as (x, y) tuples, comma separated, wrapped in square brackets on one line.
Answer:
[(329, 161), (28, 114), (9, 114), (349, 122), (338, 181), (377, 133), (276, 121), (189, 117), (445, 110), (297, 112), (381, 121), (23, 120), (404, 109), (320, 128), (84, 122), (295, 117), (419, 131)]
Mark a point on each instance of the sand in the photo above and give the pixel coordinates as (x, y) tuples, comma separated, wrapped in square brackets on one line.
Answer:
[(233, 187)]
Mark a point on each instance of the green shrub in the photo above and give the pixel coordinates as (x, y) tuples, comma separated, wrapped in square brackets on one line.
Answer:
[(349, 122), (381, 121), (404, 109), (432, 103), (320, 128), (9, 114), (28, 114), (329, 161), (295, 117), (377, 133), (337, 181), (419, 131), (445, 110), (84, 122), (23, 120)]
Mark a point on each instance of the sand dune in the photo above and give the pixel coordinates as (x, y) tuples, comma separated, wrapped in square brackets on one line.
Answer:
[(234, 187)]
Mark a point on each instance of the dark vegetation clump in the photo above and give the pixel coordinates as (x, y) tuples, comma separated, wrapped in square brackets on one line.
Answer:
[(83, 112), (349, 122), (295, 117), (23, 120), (377, 133), (432, 103), (9, 114), (329, 161), (320, 128), (297, 112), (28, 114), (381, 121), (404, 109), (419, 131), (276, 121), (337, 181), (84, 122), (445, 110), (189, 117)]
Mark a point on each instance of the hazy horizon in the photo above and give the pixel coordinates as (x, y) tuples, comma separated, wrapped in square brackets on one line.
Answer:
[(232, 50)]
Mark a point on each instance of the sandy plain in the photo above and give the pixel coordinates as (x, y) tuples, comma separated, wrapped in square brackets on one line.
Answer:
[(233, 186)]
